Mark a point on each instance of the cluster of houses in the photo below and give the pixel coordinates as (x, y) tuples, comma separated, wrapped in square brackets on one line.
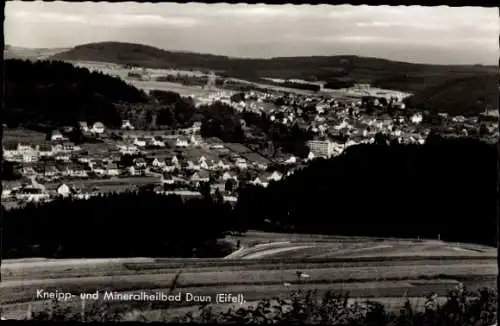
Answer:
[(328, 119), (174, 171), (61, 163), (27, 153), (97, 128)]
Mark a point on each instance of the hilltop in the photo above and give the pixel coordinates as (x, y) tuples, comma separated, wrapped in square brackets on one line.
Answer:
[(436, 87)]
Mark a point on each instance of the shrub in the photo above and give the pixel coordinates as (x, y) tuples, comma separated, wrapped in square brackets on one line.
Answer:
[(462, 307)]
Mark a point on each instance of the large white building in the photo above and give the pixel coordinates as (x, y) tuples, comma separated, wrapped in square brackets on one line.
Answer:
[(322, 148)]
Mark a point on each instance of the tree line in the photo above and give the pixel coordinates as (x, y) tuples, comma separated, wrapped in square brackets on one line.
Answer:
[(445, 188), (139, 223), (57, 93)]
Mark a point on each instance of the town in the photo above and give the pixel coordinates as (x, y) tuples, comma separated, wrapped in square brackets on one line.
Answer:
[(180, 161)]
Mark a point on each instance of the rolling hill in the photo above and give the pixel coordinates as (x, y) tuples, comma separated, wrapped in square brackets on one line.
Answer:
[(45, 93), (452, 89)]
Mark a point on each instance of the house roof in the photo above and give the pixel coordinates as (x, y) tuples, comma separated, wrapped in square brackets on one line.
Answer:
[(63, 185), (200, 175)]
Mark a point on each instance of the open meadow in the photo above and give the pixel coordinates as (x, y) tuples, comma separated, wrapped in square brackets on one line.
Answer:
[(383, 269), (23, 136)]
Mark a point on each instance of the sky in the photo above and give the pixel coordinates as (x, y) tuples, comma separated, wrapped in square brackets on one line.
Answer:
[(435, 35)]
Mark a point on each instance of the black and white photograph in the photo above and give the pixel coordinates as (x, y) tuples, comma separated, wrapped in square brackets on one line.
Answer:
[(250, 163)]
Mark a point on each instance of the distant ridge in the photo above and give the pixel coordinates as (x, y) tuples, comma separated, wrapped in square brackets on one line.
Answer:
[(364, 69), (466, 88), (105, 50), (14, 52)]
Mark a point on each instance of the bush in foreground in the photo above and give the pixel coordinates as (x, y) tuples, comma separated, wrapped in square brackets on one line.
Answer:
[(461, 308)]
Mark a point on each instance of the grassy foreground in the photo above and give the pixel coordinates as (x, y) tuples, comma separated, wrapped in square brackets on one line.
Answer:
[(462, 307)]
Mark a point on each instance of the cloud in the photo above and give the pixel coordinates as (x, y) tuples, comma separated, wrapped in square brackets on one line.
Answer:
[(96, 19), (262, 30), (145, 20)]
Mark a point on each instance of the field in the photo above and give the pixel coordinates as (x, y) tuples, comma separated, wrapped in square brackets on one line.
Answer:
[(114, 184), (23, 136), (364, 267), (245, 152), (183, 90)]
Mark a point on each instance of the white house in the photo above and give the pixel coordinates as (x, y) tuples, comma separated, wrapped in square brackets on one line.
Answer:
[(169, 168), (63, 158), (140, 142), (167, 180), (198, 177), (204, 165), (196, 128), (194, 140), (63, 190), (98, 128), (158, 163), (259, 182), (56, 135), (275, 176), (181, 143), (6, 193), (98, 169), (112, 170), (44, 150), (241, 163), (128, 149), (175, 161), (127, 125), (261, 166), (140, 162), (134, 170), (158, 143), (216, 146), (226, 176), (83, 126), (416, 118), (30, 156), (51, 171), (221, 165)]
